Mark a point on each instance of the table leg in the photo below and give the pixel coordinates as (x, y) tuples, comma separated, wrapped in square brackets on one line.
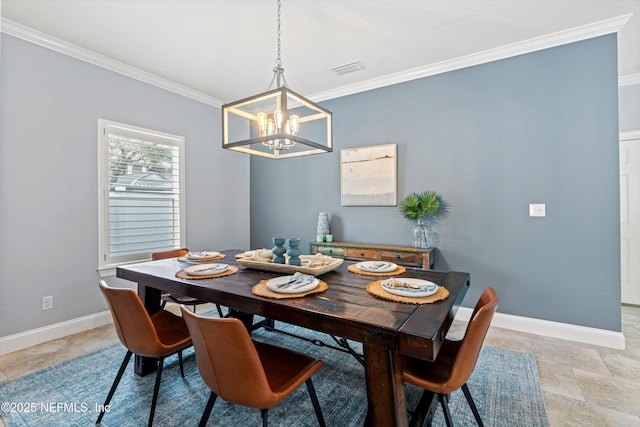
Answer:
[(245, 318), (385, 388), (425, 409), (151, 299)]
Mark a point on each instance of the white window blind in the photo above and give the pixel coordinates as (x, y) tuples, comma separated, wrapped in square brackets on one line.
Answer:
[(141, 185)]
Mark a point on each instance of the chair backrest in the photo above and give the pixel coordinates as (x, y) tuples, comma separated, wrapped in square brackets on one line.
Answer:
[(133, 324), (467, 356), (228, 360), (173, 253)]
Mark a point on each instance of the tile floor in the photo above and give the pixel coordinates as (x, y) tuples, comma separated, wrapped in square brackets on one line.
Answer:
[(584, 385)]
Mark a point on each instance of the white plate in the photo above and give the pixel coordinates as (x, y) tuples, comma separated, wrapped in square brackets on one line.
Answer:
[(426, 288), (206, 269), (202, 254), (272, 285), (370, 266)]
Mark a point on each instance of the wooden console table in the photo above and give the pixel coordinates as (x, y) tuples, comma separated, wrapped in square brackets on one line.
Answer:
[(407, 256)]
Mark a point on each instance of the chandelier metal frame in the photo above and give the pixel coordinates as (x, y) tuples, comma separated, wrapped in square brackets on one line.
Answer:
[(278, 123)]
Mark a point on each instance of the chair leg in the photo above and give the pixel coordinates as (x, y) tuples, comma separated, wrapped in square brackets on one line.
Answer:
[(207, 409), (156, 388), (444, 401), (116, 381), (316, 404), (219, 311), (180, 361), (265, 416), (467, 394)]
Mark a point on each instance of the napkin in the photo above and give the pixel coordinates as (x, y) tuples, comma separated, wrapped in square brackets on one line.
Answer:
[(378, 265), (410, 287), (212, 269), (200, 254), (297, 281)]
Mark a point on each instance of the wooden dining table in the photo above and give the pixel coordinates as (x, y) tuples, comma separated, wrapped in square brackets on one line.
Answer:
[(386, 329)]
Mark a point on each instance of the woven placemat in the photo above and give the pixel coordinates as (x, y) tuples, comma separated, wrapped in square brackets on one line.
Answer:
[(183, 275), (352, 268), (261, 289), (375, 288)]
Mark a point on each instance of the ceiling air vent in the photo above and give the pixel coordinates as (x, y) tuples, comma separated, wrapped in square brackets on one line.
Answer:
[(348, 68)]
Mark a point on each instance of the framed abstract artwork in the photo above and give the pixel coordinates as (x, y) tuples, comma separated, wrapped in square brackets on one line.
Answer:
[(368, 176)]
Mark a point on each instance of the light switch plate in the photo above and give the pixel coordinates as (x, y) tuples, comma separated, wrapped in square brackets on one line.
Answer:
[(537, 209)]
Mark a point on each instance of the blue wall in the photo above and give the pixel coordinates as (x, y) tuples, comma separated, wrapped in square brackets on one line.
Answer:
[(50, 104), (537, 128)]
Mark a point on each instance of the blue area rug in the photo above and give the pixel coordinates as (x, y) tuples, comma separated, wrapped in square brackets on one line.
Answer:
[(505, 386)]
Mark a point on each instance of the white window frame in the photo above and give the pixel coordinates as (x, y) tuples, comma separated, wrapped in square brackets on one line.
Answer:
[(106, 262)]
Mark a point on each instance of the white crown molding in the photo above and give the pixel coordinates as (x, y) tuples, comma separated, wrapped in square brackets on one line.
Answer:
[(631, 79), (565, 331), (51, 332), (28, 34), (584, 32)]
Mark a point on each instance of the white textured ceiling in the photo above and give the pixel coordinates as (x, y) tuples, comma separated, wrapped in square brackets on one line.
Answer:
[(226, 49)]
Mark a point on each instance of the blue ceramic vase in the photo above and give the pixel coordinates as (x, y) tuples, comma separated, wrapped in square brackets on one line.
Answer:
[(278, 250), (294, 252)]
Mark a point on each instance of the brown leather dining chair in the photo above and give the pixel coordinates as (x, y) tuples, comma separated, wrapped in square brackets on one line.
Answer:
[(455, 361), (247, 372), (158, 336), (177, 298)]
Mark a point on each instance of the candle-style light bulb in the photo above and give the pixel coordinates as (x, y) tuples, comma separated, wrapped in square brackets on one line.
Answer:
[(277, 116), (271, 127), (261, 118), (294, 124)]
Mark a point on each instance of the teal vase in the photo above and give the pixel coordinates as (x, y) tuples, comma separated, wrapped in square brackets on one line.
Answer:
[(278, 250), (294, 252)]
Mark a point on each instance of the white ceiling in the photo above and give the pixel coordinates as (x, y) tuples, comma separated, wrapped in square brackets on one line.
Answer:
[(226, 49)]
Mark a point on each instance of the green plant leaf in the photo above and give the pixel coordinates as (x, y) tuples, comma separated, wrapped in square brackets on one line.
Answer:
[(410, 207), (425, 205), (429, 203)]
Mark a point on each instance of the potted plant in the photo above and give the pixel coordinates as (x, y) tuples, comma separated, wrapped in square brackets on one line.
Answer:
[(425, 210)]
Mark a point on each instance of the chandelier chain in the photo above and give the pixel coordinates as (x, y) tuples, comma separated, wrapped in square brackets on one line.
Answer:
[(279, 61)]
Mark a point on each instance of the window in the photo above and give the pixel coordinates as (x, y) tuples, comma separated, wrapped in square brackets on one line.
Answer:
[(141, 187)]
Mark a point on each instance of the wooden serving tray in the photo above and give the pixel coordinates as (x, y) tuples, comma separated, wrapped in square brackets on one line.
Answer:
[(286, 268)]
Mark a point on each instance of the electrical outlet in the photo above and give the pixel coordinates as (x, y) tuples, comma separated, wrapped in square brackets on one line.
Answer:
[(47, 303), (537, 209)]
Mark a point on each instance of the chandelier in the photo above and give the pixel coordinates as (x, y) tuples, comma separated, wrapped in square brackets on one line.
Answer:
[(277, 123)]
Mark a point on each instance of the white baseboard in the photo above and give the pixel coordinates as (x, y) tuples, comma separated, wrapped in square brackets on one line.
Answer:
[(57, 330), (551, 329), (546, 328)]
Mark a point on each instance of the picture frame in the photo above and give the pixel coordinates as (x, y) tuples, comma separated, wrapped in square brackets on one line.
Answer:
[(368, 175)]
